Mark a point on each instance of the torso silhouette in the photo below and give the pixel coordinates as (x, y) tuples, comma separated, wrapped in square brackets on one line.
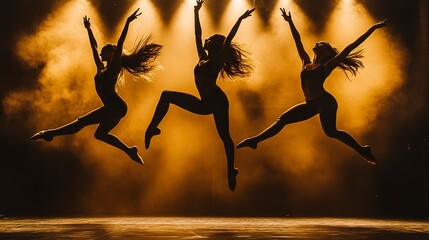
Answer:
[(312, 79), (105, 85), (205, 78)]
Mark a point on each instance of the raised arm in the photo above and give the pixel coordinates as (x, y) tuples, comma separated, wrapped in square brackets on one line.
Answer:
[(220, 58), (302, 53), (198, 31), (334, 62), (116, 62), (234, 29), (93, 43)]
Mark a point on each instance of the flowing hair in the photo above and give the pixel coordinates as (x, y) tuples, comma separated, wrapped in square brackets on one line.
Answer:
[(140, 61), (351, 63), (142, 58), (238, 62)]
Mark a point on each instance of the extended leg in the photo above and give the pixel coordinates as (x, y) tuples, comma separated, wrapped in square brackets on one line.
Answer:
[(297, 113), (93, 117), (222, 126)]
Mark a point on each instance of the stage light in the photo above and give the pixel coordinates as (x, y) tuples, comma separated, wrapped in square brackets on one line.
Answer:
[(361, 96)]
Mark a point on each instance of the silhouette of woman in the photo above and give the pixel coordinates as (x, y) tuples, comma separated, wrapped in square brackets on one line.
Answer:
[(317, 99), (222, 57), (139, 62)]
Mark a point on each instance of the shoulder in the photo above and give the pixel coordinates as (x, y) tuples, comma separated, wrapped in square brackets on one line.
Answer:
[(311, 66)]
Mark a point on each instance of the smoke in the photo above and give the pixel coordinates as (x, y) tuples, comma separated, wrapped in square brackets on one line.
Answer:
[(365, 96), (185, 167), (63, 79)]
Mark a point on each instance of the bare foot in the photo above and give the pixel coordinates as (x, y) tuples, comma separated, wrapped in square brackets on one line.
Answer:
[(42, 135), (367, 154), (150, 132), (134, 155), (232, 181)]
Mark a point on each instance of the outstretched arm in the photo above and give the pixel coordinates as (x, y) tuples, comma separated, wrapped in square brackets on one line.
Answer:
[(302, 53), (116, 62), (198, 31), (220, 58), (334, 62), (234, 29), (93, 43)]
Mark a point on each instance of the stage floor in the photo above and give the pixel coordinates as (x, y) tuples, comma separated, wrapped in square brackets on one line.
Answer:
[(155, 228)]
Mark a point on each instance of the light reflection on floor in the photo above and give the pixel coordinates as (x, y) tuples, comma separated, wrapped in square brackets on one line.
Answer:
[(212, 228)]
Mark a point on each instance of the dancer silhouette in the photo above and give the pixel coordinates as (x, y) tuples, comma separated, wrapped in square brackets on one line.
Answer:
[(317, 99), (222, 57), (140, 62)]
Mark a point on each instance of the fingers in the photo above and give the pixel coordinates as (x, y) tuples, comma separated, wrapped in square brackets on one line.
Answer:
[(86, 22), (134, 15), (284, 14), (248, 13), (381, 24)]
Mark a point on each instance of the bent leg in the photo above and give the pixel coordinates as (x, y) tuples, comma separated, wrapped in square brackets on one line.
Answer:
[(328, 119), (297, 113), (102, 134), (182, 100)]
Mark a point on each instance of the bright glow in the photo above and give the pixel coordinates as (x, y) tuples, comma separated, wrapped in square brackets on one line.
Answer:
[(60, 44), (234, 10), (187, 160), (361, 99)]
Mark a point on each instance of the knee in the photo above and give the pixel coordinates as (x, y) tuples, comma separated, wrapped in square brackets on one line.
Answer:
[(166, 95), (332, 133), (99, 135), (226, 139)]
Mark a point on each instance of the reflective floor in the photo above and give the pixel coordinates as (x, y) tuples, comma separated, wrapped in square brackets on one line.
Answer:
[(212, 228)]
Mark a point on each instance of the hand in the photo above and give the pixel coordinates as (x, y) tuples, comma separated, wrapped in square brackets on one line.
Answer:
[(86, 22), (247, 14), (287, 18), (134, 15), (380, 24), (199, 5)]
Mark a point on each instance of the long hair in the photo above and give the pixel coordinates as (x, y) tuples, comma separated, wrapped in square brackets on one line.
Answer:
[(351, 63), (142, 58), (238, 62)]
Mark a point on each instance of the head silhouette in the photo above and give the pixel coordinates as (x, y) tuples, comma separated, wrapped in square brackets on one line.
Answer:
[(214, 43), (237, 62), (107, 52), (323, 51)]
